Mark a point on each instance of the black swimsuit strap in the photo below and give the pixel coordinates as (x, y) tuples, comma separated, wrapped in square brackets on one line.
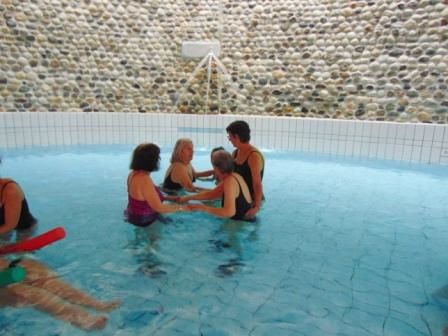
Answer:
[(256, 151), (248, 155), (169, 171), (14, 263), (237, 181)]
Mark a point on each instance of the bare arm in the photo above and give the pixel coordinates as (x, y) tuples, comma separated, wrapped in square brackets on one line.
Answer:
[(205, 173), (152, 198), (179, 174), (205, 195), (256, 164), (228, 210), (172, 198), (12, 203)]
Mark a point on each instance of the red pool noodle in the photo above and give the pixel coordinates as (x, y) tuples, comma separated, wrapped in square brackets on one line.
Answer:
[(35, 243)]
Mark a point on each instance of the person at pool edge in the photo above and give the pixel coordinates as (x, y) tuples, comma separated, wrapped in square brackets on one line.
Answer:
[(145, 201), (234, 192), (14, 212), (181, 174), (44, 290), (248, 161)]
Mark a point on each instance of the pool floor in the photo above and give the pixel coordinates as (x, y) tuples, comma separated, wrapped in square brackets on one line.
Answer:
[(340, 247)]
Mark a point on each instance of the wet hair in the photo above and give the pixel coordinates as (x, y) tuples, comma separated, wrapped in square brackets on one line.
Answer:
[(211, 153), (223, 161), (241, 129), (180, 144), (146, 156)]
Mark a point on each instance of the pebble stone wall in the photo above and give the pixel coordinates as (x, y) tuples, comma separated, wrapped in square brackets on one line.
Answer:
[(368, 60)]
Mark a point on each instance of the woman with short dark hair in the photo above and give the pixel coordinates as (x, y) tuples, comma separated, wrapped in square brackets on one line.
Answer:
[(146, 157), (234, 193), (145, 201), (248, 160)]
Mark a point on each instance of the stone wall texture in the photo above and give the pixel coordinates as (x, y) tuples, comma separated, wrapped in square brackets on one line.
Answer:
[(367, 60)]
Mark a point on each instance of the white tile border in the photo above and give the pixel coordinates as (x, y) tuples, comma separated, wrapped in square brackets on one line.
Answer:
[(423, 143)]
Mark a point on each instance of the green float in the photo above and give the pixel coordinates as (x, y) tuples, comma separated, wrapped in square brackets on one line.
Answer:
[(11, 275)]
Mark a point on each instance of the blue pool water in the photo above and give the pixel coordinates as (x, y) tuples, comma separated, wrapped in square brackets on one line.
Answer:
[(341, 247)]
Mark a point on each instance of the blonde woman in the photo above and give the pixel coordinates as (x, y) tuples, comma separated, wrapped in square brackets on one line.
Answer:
[(180, 173)]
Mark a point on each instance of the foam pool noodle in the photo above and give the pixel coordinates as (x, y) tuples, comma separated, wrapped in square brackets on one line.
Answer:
[(34, 243), (11, 275)]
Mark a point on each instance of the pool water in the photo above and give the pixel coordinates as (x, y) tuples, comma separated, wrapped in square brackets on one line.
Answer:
[(340, 247)]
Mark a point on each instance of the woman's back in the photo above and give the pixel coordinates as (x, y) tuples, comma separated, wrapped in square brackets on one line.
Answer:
[(243, 200), (138, 211)]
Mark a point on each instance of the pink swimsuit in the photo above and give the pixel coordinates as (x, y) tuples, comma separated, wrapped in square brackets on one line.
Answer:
[(140, 213)]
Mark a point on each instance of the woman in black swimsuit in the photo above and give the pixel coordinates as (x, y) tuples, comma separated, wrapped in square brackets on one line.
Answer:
[(181, 174), (249, 162), (14, 211), (233, 191)]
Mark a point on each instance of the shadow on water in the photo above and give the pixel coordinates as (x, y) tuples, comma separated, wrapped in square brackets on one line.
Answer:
[(145, 246), (233, 236)]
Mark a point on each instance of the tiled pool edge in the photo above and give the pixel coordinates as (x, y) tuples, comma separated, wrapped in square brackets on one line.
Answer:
[(422, 143)]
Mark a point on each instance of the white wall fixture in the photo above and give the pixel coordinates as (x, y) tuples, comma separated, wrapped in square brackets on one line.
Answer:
[(209, 61), (193, 49)]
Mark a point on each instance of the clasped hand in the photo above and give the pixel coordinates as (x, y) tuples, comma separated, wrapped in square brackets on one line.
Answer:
[(195, 207)]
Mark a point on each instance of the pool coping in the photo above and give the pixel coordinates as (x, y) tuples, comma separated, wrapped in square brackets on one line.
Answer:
[(410, 142)]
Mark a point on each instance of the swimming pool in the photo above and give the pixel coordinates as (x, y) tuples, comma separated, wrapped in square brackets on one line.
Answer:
[(341, 247)]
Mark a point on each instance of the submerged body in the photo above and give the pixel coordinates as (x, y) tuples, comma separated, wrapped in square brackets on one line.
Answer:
[(45, 291), (306, 237)]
